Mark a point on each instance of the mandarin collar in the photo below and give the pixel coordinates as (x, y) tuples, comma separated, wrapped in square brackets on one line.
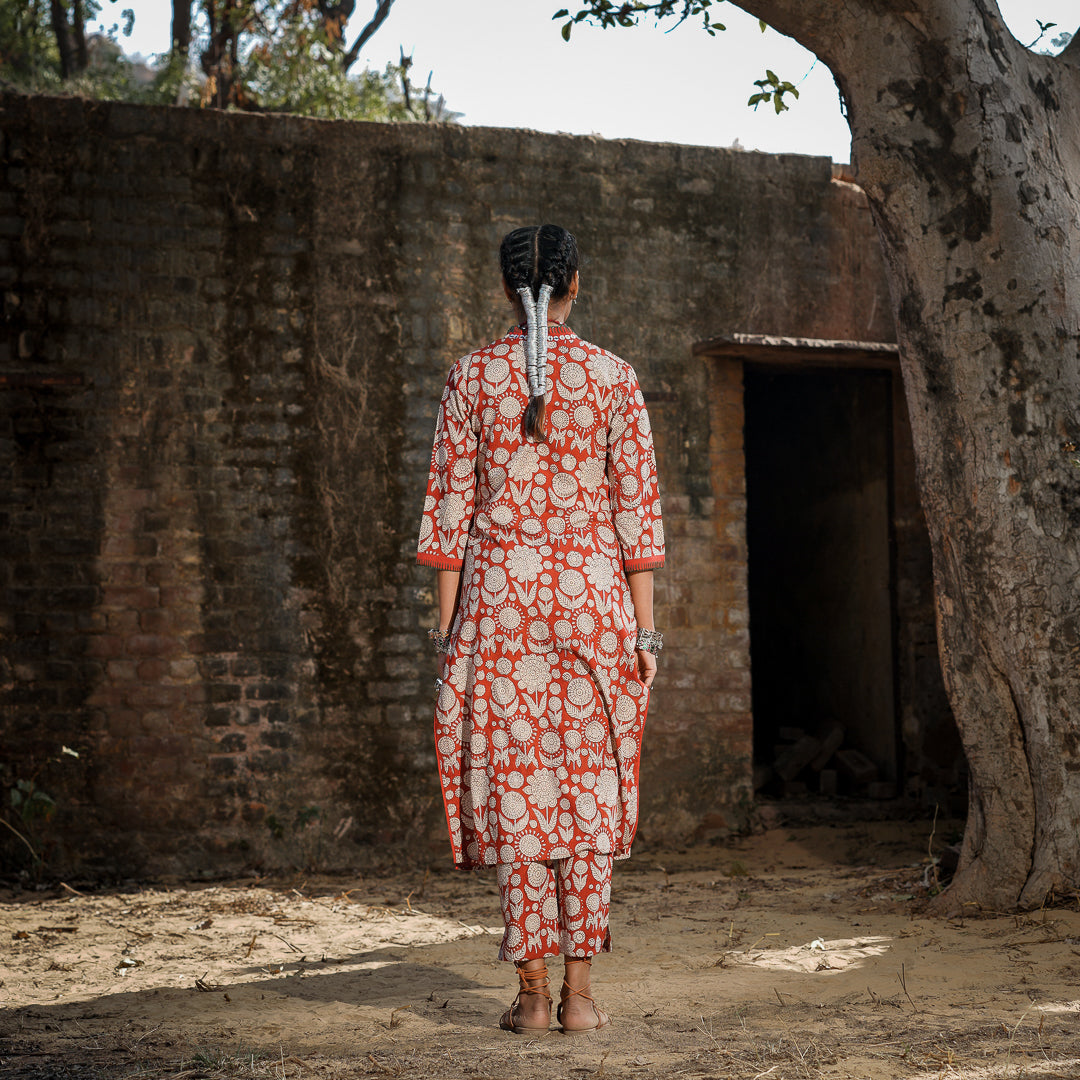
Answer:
[(553, 329)]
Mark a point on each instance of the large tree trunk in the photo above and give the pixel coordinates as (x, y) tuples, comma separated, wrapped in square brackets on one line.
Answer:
[(65, 44), (181, 28), (968, 148)]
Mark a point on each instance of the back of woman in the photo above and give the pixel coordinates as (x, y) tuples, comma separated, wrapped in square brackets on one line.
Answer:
[(543, 517)]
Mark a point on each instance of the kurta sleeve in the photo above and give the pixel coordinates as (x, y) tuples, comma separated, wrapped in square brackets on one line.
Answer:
[(451, 488), (635, 495)]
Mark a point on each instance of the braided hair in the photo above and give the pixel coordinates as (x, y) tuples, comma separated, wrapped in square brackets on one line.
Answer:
[(538, 263)]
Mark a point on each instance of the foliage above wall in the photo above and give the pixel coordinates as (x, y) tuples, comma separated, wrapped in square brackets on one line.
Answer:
[(257, 55)]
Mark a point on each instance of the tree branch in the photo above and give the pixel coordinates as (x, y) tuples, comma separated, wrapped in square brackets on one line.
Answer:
[(382, 10), (818, 25)]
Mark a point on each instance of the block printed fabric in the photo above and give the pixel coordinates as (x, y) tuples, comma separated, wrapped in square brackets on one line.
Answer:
[(563, 907), (539, 720)]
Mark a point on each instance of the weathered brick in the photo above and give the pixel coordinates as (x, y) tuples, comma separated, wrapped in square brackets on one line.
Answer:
[(122, 670), (151, 645)]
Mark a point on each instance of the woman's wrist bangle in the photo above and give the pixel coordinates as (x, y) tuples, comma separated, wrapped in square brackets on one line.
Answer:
[(441, 638), (650, 640)]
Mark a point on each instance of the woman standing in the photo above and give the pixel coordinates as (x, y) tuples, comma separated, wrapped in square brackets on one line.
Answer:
[(542, 518)]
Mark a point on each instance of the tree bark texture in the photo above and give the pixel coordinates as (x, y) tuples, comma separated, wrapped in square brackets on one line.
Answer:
[(181, 27), (968, 148), (65, 45)]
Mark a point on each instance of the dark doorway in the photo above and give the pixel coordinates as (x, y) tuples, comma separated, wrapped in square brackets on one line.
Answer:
[(818, 445)]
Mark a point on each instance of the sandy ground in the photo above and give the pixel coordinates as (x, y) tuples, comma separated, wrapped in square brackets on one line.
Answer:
[(799, 954)]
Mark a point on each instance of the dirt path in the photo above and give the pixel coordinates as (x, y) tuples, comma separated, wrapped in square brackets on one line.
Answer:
[(799, 954)]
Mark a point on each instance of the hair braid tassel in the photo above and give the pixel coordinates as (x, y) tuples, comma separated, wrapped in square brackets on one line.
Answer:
[(530, 335), (535, 359)]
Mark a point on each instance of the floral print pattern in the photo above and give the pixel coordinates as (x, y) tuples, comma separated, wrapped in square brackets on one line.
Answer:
[(539, 719), (562, 908)]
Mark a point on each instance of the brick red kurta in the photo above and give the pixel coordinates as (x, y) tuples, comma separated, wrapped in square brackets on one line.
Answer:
[(538, 725)]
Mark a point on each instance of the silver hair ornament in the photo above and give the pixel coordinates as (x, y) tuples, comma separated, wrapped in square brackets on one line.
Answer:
[(535, 349), (530, 336), (541, 344)]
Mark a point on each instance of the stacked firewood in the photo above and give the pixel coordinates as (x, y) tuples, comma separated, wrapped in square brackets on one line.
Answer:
[(807, 764)]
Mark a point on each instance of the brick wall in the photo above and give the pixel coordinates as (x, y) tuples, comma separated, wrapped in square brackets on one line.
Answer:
[(224, 340)]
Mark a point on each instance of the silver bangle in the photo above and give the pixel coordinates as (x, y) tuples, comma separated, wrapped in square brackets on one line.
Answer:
[(651, 641), (441, 638)]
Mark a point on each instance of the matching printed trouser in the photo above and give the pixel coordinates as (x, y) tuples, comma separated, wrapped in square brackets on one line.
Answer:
[(559, 906)]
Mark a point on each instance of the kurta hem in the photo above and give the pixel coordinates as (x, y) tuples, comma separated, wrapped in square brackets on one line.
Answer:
[(638, 565), (439, 562)]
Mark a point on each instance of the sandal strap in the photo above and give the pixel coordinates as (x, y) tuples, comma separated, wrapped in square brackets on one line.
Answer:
[(568, 991), (534, 981)]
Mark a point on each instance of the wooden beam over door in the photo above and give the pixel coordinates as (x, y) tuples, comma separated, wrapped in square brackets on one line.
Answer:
[(801, 352)]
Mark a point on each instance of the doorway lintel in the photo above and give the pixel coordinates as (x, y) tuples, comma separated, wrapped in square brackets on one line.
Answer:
[(810, 352)]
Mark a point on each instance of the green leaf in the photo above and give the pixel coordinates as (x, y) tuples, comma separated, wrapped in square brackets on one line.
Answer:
[(778, 101), (561, 13), (756, 99), (763, 24), (567, 27), (770, 76)]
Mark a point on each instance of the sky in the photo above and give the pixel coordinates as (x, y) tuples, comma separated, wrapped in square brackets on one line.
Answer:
[(647, 83)]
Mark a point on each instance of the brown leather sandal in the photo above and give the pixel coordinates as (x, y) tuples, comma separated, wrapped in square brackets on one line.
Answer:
[(535, 981), (602, 1018)]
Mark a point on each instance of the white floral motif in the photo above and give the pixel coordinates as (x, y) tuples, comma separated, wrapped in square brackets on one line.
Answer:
[(572, 376), (599, 571), (530, 847), (590, 474), (549, 742), (532, 672), (514, 805), (595, 731), (503, 691), (523, 563), (543, 789), (524, 463), (628, 526), (580, 691), (585, 804), (603, 368), (496, 375), (451, 511), (572, 583), (607, 788)]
